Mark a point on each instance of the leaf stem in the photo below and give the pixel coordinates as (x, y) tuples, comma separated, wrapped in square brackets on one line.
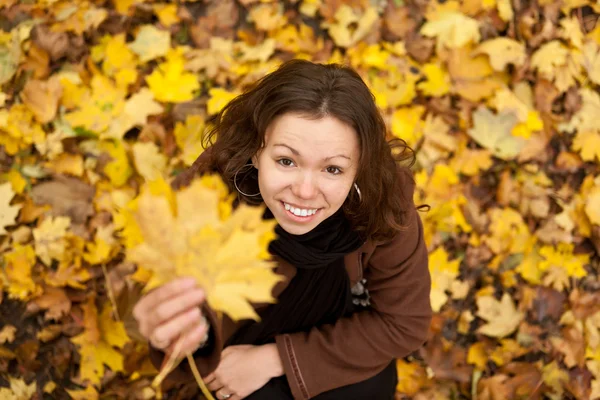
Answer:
[(199, 380)]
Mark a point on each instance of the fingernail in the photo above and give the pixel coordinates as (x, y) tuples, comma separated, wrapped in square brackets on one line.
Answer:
[(189, 282)]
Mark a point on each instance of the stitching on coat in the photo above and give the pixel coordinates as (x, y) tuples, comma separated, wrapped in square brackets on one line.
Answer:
[(294, 362)]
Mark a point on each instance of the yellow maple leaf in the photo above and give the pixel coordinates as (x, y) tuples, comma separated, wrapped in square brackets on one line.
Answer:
[(89, 393), (555, 62), (472, 75), (508, 232), (555, 377), (443, 273), (408, 125), (151, 42), (166, 13), (117, 55), (394, 90), (49, 238), (502, 317), (411, 377), (170, 82), (586, 118), (437, 81), (503, 51), (560, 263), (18, 184), (268, 17), (149, 161), (532, 124), (452, 29), (18, 390), (181, 239), (98, 341), (494, 132), (141, 105), (8, 213), (587, 143), (118, 170), (19, 129), (188, 137), (19, 262), (345, 17), (219, 98), (592, 206)]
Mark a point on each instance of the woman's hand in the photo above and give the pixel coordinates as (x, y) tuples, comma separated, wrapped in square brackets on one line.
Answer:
[(170, 311), (243, 370)]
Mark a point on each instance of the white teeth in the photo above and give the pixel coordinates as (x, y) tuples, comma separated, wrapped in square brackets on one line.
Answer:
[(299, 211)]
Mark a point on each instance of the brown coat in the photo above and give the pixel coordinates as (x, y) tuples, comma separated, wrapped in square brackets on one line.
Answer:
[(358, 347)]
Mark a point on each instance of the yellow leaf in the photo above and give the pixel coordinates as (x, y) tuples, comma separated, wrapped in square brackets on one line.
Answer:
[(67, 163), (478, 355), (118, 170), (219, 98), (268, 17), (260, 52), (503, 51), (18, 390), (150, 42), (555, 377), (21, 129), (189, 241), (452, 29), (96, 343), (508, 232), (166, 13), (533, 124), (7, 334), (408, 125), (437, 81), (19, 262), (562, 257), (588, 145), (117, 55), (471, 162), (502, 317), (123, 6), (49, 387), (49, 238), (148, 160), (592, 206), (443, 273), (141, 105), (555, 62), (89, 393), (169, 82), (18, 184), (8, 213), (472, 75), (188, 137), (493, 132), (345, 17), (586, 118), (411, 377)]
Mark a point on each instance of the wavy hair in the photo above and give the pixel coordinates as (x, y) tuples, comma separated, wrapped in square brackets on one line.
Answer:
[(314, 91)]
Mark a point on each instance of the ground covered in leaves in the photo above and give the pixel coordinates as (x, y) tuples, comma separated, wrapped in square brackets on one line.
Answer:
[(500, 99)]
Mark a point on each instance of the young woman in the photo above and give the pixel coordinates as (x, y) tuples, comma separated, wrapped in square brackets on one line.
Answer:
[(308, 142)]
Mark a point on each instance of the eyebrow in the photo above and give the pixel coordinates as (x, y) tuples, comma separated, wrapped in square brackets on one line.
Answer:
[(297, 153)]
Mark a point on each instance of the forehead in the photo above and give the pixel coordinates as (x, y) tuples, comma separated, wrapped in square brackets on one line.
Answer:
[(327, 132)]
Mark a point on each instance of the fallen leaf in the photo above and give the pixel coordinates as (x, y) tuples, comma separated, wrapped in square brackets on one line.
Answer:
[(502, 317)]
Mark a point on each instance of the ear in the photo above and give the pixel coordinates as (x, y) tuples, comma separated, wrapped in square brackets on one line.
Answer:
[(255, 159)]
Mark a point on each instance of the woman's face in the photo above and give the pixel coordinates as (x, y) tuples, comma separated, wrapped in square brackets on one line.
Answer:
[(306, 169)]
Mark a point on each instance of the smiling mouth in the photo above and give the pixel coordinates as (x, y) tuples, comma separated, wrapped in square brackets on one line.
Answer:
[(299, 214)]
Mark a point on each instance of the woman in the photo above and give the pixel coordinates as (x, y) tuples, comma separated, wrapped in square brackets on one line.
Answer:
[(308, 142)]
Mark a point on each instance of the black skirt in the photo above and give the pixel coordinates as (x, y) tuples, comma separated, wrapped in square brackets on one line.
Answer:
[(379, 387)]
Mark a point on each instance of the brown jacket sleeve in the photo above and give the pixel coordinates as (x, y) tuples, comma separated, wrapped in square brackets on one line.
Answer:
[(358, 347)]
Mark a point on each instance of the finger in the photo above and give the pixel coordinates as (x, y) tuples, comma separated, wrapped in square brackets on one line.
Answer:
[(214, 385), (223, 393), (161, 294), (176, 305), (193, 338), (170, 330), (209, 378)]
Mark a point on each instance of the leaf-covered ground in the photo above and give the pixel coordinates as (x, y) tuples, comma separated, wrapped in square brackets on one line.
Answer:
[(500, 99)]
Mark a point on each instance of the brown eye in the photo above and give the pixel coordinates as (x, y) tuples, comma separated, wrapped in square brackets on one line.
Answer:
[(334, 170), (286, 162)]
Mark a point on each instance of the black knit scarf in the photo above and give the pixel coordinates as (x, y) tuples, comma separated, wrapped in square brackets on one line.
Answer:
[(319, 293)]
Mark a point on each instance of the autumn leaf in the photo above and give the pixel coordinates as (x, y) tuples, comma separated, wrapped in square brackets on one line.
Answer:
[(151, 43), (493, 132), (169, 82), (98, 341), (182, 240), (19, 390), (8, 213), (452, 29), (502, 317), (443, 272)]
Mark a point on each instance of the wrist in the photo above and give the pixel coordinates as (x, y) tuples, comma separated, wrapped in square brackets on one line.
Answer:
[(274, 360)]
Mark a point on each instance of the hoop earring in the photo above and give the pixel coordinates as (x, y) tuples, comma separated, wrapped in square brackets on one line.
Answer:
[(236, 186), (358, 191)]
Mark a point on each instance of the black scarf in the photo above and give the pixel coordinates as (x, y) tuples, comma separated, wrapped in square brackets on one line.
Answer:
[(319, 293)]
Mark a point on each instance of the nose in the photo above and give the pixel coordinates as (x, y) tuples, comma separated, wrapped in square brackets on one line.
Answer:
[(305, 187)]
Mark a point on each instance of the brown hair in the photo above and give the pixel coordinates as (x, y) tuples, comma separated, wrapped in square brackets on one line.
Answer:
[(315, 91)]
